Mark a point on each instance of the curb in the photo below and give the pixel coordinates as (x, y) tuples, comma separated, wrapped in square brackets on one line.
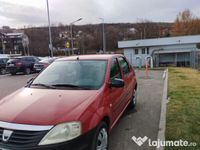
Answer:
[(162, 123)]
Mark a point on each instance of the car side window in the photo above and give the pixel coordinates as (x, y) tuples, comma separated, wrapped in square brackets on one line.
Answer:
[(115, 70), (30, 59), (124, 65)]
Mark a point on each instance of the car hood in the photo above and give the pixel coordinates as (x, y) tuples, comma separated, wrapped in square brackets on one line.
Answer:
[(43, 106)]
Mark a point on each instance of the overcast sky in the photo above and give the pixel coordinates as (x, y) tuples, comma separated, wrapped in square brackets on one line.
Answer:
[(20, 13)]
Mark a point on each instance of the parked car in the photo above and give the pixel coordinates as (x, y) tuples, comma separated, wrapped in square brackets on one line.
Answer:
[(3, 62), (43, 64), (21, 64), (72, 105)]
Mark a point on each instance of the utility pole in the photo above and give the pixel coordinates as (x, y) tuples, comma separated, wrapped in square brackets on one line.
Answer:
[(50, 37), (71, 31), (103, 34)]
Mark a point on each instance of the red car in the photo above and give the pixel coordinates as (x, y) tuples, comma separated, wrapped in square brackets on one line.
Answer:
[(71, 105)]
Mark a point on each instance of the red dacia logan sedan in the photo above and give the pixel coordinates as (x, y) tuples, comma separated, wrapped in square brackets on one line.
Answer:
[(71, 105)]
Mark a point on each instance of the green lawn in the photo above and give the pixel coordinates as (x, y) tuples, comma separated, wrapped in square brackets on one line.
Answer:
[(183, 110)]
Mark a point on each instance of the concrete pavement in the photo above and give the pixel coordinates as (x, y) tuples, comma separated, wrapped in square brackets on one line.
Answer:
[(144, 120)]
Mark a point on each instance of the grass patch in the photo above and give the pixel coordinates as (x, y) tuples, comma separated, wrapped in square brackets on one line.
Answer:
[(183, 110)]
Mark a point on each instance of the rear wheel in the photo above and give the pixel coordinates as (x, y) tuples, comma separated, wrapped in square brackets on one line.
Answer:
[(27, 71), (101, 137), (133, 102)]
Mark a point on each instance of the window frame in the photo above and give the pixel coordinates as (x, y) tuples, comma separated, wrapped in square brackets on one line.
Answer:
[(136, 50), (143, 50), (147, 50), (120, 73), (129, 69)]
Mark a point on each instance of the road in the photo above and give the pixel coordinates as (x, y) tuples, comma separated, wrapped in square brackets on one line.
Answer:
[(143, 121), (9, 84)]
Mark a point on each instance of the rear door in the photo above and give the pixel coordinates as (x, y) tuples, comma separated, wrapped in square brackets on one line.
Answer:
[(116, 94), (30, 61), (128, 79)]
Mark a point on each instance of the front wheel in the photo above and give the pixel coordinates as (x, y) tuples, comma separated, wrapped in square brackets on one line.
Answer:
[(3, 71), (101, 137)]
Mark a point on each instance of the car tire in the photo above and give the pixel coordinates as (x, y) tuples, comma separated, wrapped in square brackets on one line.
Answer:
[(101, 137), (13, 73), (3, 71), (133, 102), (27, 71)]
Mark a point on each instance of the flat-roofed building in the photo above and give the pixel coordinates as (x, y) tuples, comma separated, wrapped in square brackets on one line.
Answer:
[(170, 51), (14, 43)]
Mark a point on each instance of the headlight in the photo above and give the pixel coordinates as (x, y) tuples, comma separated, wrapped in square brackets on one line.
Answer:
[(62, 133)]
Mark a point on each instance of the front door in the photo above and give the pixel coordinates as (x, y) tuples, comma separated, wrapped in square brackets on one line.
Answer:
[(116, 94)]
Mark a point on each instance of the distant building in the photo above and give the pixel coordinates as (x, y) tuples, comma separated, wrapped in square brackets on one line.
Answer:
[(14, 43), (171, 51)]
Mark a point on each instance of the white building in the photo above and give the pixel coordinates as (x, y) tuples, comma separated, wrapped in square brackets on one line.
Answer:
[(174, 51)]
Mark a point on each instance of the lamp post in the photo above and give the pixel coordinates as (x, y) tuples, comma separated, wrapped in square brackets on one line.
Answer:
[(2, 43), (103, 33), (71, 31), (50, 37)]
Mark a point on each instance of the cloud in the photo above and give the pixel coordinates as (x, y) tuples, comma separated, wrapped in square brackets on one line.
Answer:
[(28, 12), (19, 14)]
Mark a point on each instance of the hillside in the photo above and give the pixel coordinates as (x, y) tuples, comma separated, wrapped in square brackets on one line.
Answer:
[(88, 38)]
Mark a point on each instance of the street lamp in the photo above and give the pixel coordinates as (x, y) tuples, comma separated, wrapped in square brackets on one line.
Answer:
[(50, 37), (103, 34), (71, 28), (2, 42)]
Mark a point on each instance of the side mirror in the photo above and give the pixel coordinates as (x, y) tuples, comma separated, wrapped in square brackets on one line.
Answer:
[(118, 83), (30, 81)]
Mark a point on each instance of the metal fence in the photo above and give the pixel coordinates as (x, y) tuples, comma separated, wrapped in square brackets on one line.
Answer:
[(197, 60)]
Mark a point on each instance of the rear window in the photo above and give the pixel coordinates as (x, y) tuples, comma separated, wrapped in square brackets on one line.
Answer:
[(14, 59)]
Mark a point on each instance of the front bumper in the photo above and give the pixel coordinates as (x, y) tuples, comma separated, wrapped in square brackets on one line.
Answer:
[(81, 143)]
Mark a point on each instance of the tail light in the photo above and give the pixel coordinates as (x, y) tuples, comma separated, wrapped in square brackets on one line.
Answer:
[(19, 64), (46, 65)]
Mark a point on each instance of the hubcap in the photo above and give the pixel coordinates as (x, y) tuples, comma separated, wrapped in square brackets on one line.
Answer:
[(28, 71), (3, 71), (135, 97), (102, 140)]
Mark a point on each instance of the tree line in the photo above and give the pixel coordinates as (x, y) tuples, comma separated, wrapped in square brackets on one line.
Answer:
[(88, 38)]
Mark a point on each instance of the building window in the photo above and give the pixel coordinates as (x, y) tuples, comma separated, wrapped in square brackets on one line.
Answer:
[(147, 50), (136, 51), (143, 51)]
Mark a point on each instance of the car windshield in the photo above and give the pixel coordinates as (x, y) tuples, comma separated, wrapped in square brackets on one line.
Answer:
[(79, 74)]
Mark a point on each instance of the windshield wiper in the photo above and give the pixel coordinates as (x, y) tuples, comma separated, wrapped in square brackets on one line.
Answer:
[(65, 85), (71, 86), (43, 85)]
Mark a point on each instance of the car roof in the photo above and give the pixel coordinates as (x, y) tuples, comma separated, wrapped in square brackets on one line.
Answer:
[(20, 57), (90, 57)]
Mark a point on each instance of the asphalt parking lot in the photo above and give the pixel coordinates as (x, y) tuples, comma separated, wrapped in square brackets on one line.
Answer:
[(143, 121)]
